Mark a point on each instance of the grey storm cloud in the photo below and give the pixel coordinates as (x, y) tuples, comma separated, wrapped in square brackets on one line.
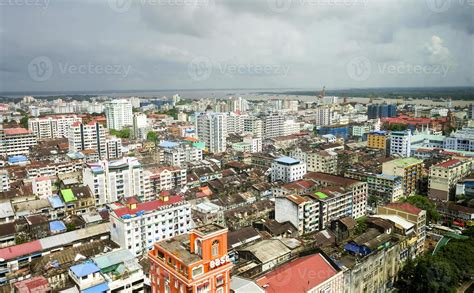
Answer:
[(59, 45)]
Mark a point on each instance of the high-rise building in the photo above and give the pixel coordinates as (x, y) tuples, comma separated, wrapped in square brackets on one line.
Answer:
[(91, 136), (273, 125), (253, 126), (410, 169), (175, 154), (110, 181), (54, 126), (377, 140), (400, 143), (113, 147), (137, 225), (381, 111), (211, 129), (140, 126), (323, 116), (16, 141), (119, 114), (201, 266)]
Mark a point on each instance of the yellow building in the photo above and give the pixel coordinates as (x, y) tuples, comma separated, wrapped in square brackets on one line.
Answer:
[(410, 169), (377, 140)]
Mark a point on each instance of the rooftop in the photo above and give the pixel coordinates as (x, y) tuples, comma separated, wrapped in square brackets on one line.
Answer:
[(16, 131), (289, 277), (406, 207), (287, 160), (405, 162), (208, 229), (449, 164), (127, 212), (84, 269), (179, 247)]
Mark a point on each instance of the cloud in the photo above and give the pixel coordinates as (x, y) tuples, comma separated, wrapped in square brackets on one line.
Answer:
[(158, 39)]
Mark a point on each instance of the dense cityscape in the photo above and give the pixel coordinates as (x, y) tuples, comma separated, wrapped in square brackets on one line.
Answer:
[(217, 195), (236, 146)]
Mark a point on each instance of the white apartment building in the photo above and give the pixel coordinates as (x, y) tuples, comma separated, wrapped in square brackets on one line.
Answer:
[(273, 125), (42, 187), (140, 126), (163, 178), (91, 136), (110, 181), (255, 143), (136, 226), (113, 146), (287, 169), (323, 116), (4, 181), (16, 141), (211, 129), (253, 126), (300, 211), (322, 161), (119, 114), (180, 154), (56, 126), (235, 123), (400, 143), (291, 127)]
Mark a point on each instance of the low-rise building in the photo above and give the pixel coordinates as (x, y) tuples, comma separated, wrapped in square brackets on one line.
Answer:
[(287, 169), (16, 141), (444, 176), (197, 262), (411, 214), (300, 211)]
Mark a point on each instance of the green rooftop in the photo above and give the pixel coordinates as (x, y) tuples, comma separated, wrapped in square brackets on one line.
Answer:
[(407, 161), (68, 195), (321, 195)]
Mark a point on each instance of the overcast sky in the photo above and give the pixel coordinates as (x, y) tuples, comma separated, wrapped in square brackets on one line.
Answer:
[(190, 44)]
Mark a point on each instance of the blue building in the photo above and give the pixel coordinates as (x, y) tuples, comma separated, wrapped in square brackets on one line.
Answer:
[(336, 130), (375, 111)]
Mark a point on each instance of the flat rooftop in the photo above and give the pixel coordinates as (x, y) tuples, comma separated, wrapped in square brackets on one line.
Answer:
[(179, 247), (208, 229)]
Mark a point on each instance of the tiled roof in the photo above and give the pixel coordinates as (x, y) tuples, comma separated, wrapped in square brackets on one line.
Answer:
[(406, 207), (147, 206), (449, 163), (16, 131), (288, 277)]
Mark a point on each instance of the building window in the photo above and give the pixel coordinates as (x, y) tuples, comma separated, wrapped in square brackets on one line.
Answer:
[(198, 271), (215, 248), (198, 247), (220, 290)]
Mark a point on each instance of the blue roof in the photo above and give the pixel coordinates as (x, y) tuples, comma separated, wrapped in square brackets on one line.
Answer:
[(168, 144), (386, 176), (381, 132), (16, 159), (287, 160), (84, 269), (56, 201), (103, 287), (57, 226)]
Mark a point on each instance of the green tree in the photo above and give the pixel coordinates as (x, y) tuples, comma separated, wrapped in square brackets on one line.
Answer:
[(124, 133), (424, 203), (151, 136), (24, 121)]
